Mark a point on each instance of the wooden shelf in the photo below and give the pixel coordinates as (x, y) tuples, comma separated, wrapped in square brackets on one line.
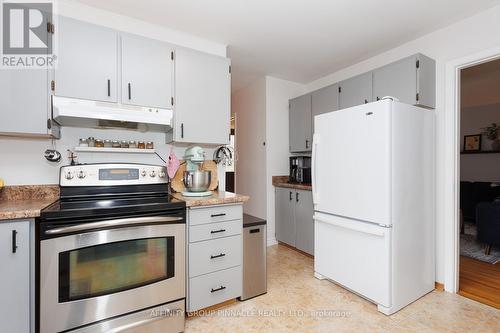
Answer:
[(114, 150), (480, 152)]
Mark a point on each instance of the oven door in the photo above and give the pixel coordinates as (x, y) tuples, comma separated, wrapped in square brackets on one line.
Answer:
[(95, 275)]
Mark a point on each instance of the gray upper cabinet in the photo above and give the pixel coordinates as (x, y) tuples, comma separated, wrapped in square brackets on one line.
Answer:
[(412, 80), (285, 221), (304, 223), (202, 101), (300, 124), (15, 280), (147, 72), (355, 91), (87, 61), (16, 108), (324, 100)]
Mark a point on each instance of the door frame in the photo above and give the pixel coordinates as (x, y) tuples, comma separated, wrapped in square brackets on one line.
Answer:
[(451, 180)]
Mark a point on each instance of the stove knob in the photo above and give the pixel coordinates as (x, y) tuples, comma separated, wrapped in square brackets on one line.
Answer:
[(161, 174), (69, 175), (152, 174), (81, 174), (143, 173)]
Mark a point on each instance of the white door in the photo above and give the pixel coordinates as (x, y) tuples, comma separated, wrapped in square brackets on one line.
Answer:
[(354, 254), (203, 97), (352, 162), (87, 61), (147, 72), (15, 281)]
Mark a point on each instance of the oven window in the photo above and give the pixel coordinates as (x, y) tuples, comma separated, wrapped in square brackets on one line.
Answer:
[(113, 267)]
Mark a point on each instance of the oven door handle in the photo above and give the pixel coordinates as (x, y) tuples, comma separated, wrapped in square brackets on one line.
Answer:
[(127, 327), (113, 223)]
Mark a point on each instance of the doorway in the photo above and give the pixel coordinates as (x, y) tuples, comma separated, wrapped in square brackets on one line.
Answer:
[(479, 182)]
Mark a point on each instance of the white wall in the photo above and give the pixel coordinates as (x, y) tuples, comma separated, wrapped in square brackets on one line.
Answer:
[(479, 167), (249, 107), (469, 36), (277, 143), (22, 161)]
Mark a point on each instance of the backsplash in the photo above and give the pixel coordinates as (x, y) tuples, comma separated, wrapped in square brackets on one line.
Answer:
[(23, 161)]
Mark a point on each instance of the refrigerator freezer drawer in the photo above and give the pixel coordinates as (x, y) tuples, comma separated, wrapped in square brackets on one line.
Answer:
[(354, 254)]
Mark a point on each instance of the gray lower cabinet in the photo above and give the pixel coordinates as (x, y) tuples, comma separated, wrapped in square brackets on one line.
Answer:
[(16, 283), (412, 80), (304, 223), (355, 91), (284, 215), (294, 218), (215, 255), (300, 124)]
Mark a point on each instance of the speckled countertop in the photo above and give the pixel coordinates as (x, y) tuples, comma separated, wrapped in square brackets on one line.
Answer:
[(282, 181), (26, 201), (215, 199)]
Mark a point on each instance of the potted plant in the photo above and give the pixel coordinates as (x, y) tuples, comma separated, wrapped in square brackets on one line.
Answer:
[(492, 133)]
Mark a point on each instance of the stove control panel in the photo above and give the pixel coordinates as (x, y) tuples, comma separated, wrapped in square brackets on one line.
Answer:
[(112, 174)]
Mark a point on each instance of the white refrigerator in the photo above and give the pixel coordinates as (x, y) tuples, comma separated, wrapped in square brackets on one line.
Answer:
[(373, 193)]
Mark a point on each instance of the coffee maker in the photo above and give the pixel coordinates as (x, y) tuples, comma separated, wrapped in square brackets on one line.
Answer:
[(300, 170)]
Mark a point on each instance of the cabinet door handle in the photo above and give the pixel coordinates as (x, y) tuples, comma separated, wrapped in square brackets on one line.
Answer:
[(217, 289), (218, 215), (366, 101), (297, 196), (290, 196), (109, 88), (218, 256), (182, 130), (129, 91), (307, 144), (14, 241), (217, 231), (378, 98)]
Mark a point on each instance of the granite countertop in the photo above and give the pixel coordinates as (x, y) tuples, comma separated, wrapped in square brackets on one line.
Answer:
[(215, 199), (18, 202), (282, 181)]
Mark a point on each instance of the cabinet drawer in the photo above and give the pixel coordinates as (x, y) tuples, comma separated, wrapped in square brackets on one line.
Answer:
[(215, 230), (214, 288), (214, 255), (215, 214)]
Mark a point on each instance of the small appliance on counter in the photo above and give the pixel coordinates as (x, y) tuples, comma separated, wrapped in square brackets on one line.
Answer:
[(195, 180), (300, 169)]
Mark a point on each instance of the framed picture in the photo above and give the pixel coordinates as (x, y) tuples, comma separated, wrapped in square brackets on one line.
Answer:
[(472, 142)]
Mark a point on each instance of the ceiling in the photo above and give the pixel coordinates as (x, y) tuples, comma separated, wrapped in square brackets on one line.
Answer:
[(298, 40), (480, 85)]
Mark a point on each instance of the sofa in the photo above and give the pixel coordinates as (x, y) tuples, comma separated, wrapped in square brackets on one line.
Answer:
[(488, 224)]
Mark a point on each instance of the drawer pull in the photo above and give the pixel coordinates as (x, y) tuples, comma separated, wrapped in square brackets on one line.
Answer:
[(217, 289), (218, 256), (217, 231), (218, 215)]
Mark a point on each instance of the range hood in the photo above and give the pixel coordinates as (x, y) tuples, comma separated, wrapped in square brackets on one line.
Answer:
[(85, 113)]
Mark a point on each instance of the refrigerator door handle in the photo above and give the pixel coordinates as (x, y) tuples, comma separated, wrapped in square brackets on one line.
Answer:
[(351, 225), (313, 168)]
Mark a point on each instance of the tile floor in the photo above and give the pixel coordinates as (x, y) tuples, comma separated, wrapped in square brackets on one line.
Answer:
[(297, 302)]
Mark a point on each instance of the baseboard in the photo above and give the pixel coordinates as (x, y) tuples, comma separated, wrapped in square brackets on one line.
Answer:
[(271, 241), (439, 286)]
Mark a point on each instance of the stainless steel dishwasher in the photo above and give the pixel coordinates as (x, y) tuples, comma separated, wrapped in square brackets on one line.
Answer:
[(254, 257)]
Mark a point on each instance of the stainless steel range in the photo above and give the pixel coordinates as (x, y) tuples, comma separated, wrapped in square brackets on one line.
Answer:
[(112, 252)]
